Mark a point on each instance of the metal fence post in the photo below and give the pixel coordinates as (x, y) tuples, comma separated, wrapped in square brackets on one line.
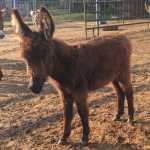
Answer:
[(14, 3)]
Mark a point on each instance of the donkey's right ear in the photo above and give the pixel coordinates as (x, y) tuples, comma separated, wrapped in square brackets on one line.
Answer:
[(20, 27), (46, 23)]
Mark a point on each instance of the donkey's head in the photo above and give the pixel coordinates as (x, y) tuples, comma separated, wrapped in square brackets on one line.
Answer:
[(36, 47)]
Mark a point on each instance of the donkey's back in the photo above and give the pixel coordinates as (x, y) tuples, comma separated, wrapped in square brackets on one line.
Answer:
[(104, 60)]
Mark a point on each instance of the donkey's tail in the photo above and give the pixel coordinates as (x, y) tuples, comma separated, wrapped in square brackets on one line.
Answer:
[(126, 42)]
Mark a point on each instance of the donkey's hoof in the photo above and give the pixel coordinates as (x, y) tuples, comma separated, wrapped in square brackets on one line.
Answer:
[(117, 118), (62, 141), (131, 121), (84, 143)]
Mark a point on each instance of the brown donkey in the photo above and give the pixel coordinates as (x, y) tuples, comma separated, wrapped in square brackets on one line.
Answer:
[(75, 70)]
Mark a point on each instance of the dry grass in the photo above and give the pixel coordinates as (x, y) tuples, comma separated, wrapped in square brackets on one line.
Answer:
[(35, 122)]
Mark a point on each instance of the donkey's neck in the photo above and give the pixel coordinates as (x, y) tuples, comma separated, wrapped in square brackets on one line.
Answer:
[(63, 50), (64, 63)]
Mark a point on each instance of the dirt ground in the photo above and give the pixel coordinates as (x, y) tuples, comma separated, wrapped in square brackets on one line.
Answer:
[(35, 122)]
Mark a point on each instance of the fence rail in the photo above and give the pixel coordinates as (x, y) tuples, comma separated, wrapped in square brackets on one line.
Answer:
[(113, 13)]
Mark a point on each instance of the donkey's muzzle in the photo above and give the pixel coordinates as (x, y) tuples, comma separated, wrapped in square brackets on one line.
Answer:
[(36, 86)]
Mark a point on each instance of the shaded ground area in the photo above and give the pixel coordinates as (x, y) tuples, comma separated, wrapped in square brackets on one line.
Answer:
[(29, 121)]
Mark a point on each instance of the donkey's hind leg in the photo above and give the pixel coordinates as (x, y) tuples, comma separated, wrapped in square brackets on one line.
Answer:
[(82, 108), (121, 99), (129, 96)]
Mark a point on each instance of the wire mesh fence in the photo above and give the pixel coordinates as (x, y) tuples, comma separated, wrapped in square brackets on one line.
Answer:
[(110, 14), (116, 9), (101, 10), (93, 12), (61, 9)]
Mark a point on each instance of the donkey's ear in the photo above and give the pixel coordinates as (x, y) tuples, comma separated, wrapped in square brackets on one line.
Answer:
[(46, 24), (20, 27)]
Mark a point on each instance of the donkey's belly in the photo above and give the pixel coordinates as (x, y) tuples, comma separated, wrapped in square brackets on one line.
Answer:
[(100, 82), (98, 85)]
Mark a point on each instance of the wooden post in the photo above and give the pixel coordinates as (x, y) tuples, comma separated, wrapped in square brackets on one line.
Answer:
[(1, 20), (34, 5), (69, 8), (85, 21), (97, 16), (123, 11)]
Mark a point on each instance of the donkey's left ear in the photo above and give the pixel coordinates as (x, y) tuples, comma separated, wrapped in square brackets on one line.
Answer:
[(20, 27), (46, 24)]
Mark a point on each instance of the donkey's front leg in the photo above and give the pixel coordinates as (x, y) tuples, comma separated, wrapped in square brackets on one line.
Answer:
[(68, 115), (83, 113)]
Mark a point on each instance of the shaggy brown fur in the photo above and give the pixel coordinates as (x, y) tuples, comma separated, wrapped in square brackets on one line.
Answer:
[(76, 70)]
